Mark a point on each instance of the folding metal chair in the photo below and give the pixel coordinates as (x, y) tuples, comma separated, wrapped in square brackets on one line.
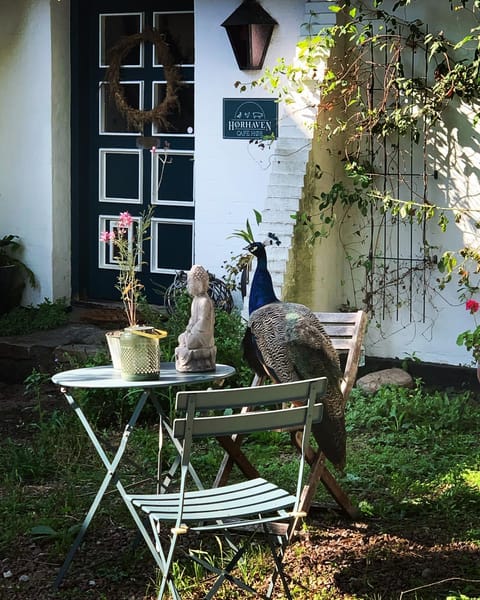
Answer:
[(250, 507)]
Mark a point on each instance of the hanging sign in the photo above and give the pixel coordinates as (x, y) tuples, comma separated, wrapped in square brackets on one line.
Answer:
[(248, 119)]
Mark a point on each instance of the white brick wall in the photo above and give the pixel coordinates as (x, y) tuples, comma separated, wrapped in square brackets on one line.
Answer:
[(290, 159)]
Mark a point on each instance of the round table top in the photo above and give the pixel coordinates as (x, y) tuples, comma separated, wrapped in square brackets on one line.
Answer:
[(108, 377)]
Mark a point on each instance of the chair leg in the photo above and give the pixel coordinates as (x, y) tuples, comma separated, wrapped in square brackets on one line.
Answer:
[(232, 447), (277, 555), (319, 472), (166, 562), (226, 572)]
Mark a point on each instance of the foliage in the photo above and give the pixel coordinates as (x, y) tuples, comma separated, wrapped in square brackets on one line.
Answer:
[(393, 409), (126, 242), (10, 245), (419, 446), (22, 320), (471, 338), (240, 264), (373, 106)]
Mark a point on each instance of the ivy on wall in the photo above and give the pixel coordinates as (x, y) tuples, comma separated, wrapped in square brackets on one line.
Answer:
[(376, 102)]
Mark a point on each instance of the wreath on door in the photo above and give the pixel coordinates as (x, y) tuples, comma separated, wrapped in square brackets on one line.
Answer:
[(135, 117)]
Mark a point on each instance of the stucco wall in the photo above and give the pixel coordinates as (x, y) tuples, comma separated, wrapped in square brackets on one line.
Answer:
[(60, 107), (26, 143), (231, 175), (451, 154)]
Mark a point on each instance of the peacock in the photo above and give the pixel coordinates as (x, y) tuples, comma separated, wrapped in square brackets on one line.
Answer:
[(285, 341)]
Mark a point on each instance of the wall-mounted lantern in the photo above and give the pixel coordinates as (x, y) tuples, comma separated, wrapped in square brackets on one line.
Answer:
[(249, 29)]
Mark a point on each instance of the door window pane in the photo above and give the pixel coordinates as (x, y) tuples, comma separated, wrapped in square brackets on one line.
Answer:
[(172, 177), (181, 120), (111, 119), (168, 234), (179, 32), (114, 28), (121, 176), (108, 252)]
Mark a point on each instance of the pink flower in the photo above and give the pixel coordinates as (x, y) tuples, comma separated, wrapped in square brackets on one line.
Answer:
[(153, 149), (472, 306), (125, 220), (107, 236)]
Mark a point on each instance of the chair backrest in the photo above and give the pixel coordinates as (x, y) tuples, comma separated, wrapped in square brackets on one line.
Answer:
[(346, 330), (254, 417), (257, 415)]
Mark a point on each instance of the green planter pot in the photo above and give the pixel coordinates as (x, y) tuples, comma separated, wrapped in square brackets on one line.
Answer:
[(140, 353)]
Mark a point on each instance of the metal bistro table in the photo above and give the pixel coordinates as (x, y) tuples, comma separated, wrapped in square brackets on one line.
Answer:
[(108, 378)]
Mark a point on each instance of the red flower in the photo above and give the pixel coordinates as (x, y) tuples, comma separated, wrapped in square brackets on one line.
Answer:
[(472, 306)]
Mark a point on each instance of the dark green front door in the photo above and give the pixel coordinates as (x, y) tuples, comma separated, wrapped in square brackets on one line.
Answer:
[(134, 148)]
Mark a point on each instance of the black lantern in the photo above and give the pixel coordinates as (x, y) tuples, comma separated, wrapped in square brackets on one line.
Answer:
[(249, 30)]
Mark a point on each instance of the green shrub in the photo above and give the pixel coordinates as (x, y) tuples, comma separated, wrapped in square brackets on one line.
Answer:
[(22, 320)]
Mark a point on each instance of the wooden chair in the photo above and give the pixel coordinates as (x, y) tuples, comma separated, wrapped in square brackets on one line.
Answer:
[(346, 330), (252, 506)]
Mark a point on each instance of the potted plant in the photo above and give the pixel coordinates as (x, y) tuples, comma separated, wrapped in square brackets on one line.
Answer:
[(14, 273), (137, 344)]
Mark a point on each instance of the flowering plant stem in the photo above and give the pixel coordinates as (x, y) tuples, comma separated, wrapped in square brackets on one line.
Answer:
[(471, 338), (127, 237)]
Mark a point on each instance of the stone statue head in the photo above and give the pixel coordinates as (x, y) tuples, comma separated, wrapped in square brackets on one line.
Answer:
[(197, 280)]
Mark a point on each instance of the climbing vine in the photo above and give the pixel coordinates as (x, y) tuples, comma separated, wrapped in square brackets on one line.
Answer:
[(376, 104)]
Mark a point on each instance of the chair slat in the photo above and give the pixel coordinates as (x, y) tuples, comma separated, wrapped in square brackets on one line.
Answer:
[(236, 501), (253, 396), (251, 422), (337, 317), (346, 331)]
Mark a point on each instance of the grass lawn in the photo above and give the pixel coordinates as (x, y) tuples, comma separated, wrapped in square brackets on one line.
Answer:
[(413, 470)]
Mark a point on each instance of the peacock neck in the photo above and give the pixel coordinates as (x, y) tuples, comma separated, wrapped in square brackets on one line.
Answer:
[(261, 291)]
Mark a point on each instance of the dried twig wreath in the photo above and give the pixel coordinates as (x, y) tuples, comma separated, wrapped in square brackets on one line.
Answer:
[(137, 118)]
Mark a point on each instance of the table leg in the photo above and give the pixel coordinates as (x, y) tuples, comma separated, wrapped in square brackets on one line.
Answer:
[(110, 477), (178, 447)]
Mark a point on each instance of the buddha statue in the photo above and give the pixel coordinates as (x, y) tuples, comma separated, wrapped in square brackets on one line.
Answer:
[(196, 350)]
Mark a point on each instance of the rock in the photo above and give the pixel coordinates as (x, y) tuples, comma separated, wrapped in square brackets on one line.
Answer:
[(46, 350), (372, 382)]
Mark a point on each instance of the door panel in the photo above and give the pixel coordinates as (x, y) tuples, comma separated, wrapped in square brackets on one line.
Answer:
[(119, 165)]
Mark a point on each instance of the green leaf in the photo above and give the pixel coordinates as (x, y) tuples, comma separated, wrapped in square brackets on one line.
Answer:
[(43, 531), (258, 216)]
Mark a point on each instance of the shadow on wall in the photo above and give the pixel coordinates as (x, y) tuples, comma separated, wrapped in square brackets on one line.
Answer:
[(13, 25)]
